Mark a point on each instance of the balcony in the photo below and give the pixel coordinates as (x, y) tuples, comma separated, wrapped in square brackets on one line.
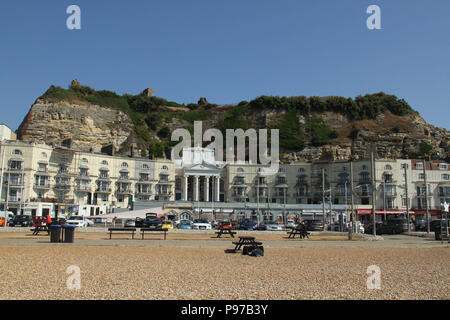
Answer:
[(302, 194), (124, 191), (62, 187), (81, 188), (281, 195), (44, 186), (238, 182), (365, 181), (144, 193), (103, 190), (164, 192)]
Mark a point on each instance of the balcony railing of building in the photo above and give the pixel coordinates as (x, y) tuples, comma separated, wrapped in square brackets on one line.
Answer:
[(42, 185), (103, 190), (62, 186), (83, 188)]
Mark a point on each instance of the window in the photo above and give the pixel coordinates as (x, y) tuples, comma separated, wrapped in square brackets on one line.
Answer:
[(103, 174), (421, 176), (104, 162), (282, 170), (301, 170), (124, 165), (84, 160), (419, 165), (388, 167), (145, 166), (17, 152), (405, 165), (442, 166), (42, 167), (84, 172), (43, 155), (164, 168), (446, 177), (15, 165), (364, 167), (240, 170)]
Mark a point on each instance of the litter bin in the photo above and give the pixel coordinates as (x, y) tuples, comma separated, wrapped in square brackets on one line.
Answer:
[(69, 232), (55, 233)]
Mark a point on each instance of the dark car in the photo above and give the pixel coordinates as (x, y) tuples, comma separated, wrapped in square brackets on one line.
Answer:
[(248, 225), (152, 223), (368, 228), (420, 225), (435, 225), (395, 226), (139, 222), (21, 221), (314, 225)]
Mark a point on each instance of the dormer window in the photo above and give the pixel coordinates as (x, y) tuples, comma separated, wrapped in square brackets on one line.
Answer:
[(419, 165), (442, 166)]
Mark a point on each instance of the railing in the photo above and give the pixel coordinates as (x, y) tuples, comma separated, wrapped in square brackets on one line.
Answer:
[(83, 188), (62, 186), (106, 190), (42, 185)]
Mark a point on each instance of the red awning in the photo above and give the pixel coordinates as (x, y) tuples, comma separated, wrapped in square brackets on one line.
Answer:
[(432, 212), (390, 211)]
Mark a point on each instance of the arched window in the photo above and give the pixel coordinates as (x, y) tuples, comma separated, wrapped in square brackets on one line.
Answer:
[(124, 165), (43, 155), (240, 170), (104, 162), (164, 168), (17, 152), (388, 167)]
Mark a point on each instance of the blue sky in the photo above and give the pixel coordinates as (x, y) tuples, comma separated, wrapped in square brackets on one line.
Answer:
[(228, 51)]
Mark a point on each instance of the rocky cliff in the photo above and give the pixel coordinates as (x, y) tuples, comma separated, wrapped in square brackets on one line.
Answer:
[(310, 128), (90, 126)]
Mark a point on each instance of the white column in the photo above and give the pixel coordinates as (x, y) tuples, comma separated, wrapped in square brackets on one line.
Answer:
[(217, 188), (196, 188), (207, 190), (185, 188)]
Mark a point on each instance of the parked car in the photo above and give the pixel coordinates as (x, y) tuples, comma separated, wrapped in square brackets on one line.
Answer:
[(368, 228), (248, 225), (139, 222), (152, 222), (79, 221), (394, 226), (130, 223), (200, 224), (291, 224), (225, 225), (272, 226), (2, 221), (314, 225), (435, 225), (167, 224), (21, 221), (184, 224), (420, 225)]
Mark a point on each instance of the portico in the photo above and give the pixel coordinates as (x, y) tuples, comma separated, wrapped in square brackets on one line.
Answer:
[(201, 183)]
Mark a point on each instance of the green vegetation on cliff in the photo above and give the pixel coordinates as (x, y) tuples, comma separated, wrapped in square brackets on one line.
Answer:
[(154, 122)]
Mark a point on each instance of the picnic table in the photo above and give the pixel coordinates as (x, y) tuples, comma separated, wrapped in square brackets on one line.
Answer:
[(39, 225), (300, 230), (225, 231), (159, 231), (122, 230), (246, 241)]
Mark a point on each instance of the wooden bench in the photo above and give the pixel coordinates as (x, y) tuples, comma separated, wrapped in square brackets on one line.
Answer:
[(225, 231), (143, 230), (122, 230)]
